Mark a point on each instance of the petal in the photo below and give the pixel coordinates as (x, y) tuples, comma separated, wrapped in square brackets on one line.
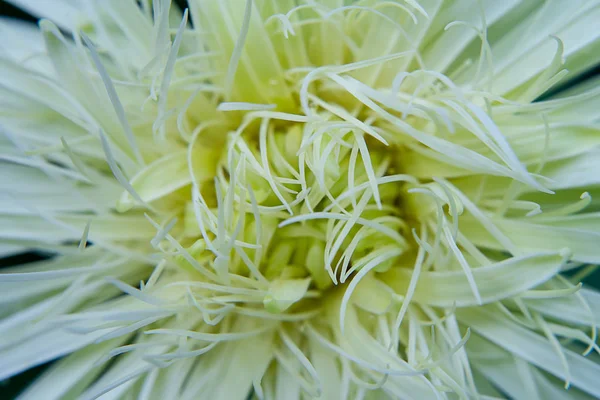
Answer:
[(283, 293), (68, 377), (169, 174), (229, 371), (527, 49), (570, 308), (262, 76), (577, 234), (494, 282), (578, 171), (531, 347), (103, 109), (326, 366), (10, 249), (32, 188), (445, 47), (118, 379), (370, 295), (70, 227), (23, 43), (516, 377), (42, 348)]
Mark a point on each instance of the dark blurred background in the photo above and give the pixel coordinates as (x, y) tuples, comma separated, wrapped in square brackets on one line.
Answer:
[(10, 388)]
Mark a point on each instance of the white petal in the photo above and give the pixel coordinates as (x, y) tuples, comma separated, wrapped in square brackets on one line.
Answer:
[(286, 387), (42, 348), (10, 249), (229, 370), (69, 375), (171, 380), (441, 52), (257, 73), (162, 178), (527, 49), (570, 308), (22, 42), (579, 171), (501, 368), (329, 373), (580, 236), (531, 347), (118, 379), (71, 227), (495, 282)]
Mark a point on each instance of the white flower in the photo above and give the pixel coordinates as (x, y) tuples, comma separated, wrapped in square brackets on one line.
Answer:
[(301, 199)]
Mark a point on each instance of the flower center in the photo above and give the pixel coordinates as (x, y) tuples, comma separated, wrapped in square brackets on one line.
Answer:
[(308, 172), (301, 206)]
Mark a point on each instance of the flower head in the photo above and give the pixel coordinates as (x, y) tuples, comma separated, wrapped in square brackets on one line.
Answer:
[(301, 199)]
